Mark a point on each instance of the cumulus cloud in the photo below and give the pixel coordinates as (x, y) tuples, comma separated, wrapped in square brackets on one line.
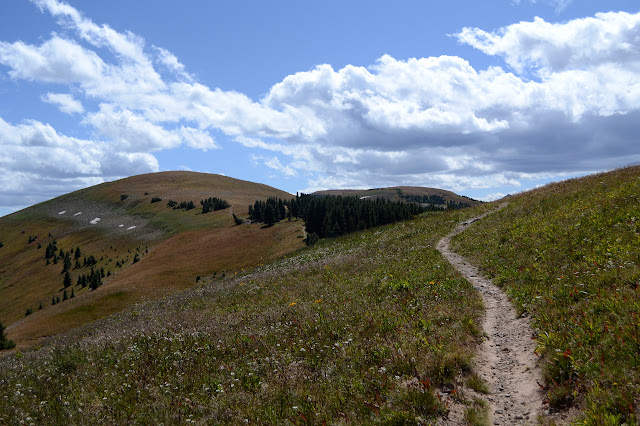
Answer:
[(607, 38), (65, 102), (37, 161), (57, 60), (567, 100)]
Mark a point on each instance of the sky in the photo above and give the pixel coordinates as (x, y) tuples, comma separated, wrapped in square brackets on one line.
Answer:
[(482, 98)]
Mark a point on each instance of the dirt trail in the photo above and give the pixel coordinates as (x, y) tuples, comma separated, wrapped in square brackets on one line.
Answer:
[(506, 359)]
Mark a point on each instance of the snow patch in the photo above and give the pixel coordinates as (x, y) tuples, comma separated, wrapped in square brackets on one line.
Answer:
[(77, 214), (121, 226), (95, 221), (131, 227), (62, 212)]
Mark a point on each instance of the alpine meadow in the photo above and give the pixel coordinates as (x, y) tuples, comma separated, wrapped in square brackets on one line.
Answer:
[(320, 213), (371, 327)]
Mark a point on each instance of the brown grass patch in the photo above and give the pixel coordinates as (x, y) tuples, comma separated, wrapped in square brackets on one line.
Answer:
[(169, 267)]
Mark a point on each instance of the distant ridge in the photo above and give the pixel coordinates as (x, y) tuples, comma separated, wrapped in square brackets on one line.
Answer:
[(421, 195)]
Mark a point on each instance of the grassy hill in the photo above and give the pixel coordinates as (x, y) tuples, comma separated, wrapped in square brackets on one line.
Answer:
[(417, 194), (368, 328), (363, 328), (568, 255), (173, 246)]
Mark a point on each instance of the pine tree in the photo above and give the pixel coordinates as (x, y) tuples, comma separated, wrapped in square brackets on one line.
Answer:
[(5, 343), (67, 279), (67, 263), (53, 300), (65, 296), (73, 293)]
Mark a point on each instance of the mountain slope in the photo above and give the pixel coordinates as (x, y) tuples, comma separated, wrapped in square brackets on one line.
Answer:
[(174, 246), (361, 329), (567, 254)]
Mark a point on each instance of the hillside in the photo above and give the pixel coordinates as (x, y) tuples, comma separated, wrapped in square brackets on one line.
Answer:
[(416, 194), (375, 327), (363, 328), (567, 254), (173, 246)]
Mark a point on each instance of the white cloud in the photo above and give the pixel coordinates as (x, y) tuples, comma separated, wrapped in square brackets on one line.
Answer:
[(36, 161), (132, 132), (65, 102), (170, 61), (196, 138), (570, 103), (129, 131), (57, 60), (607, 38), (275, 164), (493, 196)]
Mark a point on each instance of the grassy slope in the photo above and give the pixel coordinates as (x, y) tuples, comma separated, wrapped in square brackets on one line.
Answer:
[(568, 254), (175, 246), (362, 328)]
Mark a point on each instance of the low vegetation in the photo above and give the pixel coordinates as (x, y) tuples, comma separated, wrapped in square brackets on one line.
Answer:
[(363, 328), (568, 256), (5, 342)]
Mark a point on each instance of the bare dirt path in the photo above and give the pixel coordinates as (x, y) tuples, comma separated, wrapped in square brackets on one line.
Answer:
[(506, 359)]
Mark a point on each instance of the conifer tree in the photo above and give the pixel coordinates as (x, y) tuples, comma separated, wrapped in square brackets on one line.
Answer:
[(67, 263), (67, 279), (5, 343)]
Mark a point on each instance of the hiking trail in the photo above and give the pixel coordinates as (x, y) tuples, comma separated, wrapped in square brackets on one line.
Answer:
[(505, 360)]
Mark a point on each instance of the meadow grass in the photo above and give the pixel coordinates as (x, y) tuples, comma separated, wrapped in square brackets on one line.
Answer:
[(361, 329), (568, 254)]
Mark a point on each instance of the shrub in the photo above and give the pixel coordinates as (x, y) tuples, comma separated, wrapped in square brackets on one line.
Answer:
[(123, 197), (213, 204), (155, 199), (312, 239), (5, 343)]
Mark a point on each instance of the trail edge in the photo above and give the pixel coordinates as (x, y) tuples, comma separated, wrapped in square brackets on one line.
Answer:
[(506, 359)]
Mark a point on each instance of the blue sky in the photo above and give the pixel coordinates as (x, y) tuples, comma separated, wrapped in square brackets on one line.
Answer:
[(482, 98)]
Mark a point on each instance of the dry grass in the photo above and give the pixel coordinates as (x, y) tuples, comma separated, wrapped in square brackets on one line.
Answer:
[(175, 247), (170, 266), (360, 329)]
